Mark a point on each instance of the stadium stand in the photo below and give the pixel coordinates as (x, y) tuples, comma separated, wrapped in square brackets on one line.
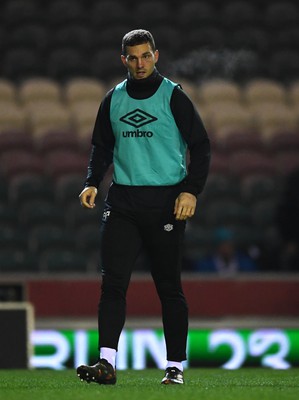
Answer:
[(238, 61)]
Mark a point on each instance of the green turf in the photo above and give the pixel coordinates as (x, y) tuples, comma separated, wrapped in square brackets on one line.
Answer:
[(201, 384)]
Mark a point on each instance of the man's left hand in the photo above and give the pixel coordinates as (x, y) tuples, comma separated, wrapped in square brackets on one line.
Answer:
[(185, 205)]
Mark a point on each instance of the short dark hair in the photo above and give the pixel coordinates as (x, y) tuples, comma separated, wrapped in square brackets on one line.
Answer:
[(135, 37)]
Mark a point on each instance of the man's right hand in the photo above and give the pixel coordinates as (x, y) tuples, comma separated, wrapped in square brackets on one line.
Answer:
[(87, 197)]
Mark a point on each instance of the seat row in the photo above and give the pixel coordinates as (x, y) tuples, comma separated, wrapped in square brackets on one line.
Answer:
[(44, 236), (230, 14), (42, 105), (64, 39), (202, 62), (206, 92), (169, 39)]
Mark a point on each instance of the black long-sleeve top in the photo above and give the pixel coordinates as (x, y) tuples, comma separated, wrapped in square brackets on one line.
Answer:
[(186, 118)]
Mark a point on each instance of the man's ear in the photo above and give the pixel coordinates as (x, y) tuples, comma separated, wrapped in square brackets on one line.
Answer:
[(124, 60), (156, 54)]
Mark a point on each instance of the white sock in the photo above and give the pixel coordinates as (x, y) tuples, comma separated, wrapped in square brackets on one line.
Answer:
[(109, 355), (176, 364)]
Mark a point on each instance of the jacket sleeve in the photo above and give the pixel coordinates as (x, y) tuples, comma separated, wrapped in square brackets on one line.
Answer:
[(194, 133), (102, 145)]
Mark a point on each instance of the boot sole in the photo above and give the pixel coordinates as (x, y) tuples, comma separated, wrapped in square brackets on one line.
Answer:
[(88, 375)]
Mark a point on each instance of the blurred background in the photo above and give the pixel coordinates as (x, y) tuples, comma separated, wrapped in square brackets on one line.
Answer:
[(239, 63)]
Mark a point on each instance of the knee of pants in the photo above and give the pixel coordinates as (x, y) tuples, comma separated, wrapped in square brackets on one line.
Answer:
[(169, 290), (113, 290)]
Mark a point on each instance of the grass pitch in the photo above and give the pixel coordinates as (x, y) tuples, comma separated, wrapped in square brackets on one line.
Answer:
[(201, 384)]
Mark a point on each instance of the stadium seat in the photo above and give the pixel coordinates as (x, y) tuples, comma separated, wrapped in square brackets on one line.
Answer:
[(194, 13), (83, 114), (284, 141), (8, 216), (48, 116), (18, 12), (281, 14), (241, 140), (219, 164), (145, 16), (40, 211), (64, 162), (228, 117), (63, 261), (105, 38), (103, 12), (250, 38), (274, 117), (32, 186), (284, 65), (36, 90), (20, 162), (88, 238), (68, 187), (265, 90), (13, 140), (228, 213), (293, 93), (288, 38), (17, 262), (248, 239), (61, 13), (12, 239), (73, 35), (3, 192), (12, 117), (56, 140), (244, 163), (3, 44), (31, 36), (8, 91), (204, 37), (220, 186), (50, 237), (84, 89), (286, 162), (167, 39), (263, 213), (22, 63), (217, 91), (66, 63), (240, 14), (105, 64), (257, 187), (76, 216), (198, 242)]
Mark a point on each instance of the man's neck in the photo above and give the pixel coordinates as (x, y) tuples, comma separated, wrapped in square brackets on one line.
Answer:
[(145, 81), (143, 88)]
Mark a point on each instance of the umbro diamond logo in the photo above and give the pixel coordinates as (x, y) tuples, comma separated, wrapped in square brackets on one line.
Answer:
[(168, 227), (138, 118)]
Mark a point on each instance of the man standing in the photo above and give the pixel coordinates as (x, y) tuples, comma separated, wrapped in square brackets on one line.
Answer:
[(145, 125)]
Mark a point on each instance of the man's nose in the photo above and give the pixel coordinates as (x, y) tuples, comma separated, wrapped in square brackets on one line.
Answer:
[(139, 62)]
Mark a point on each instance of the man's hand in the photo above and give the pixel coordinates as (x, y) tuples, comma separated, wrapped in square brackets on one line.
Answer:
[(87, 197), (185, 205)]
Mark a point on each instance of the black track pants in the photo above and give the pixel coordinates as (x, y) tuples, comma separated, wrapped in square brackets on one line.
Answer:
[(123, 234)]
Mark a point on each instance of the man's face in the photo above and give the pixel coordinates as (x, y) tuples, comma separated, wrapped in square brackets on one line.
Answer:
[(140, 60)]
